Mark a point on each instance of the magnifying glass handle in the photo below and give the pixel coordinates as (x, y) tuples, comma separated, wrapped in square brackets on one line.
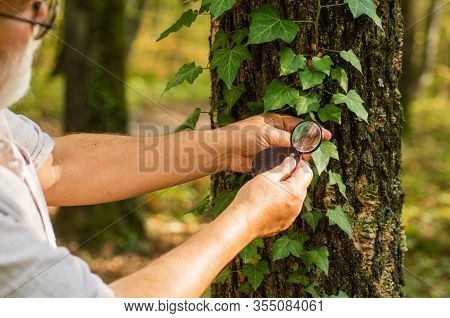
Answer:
[(271, 157)]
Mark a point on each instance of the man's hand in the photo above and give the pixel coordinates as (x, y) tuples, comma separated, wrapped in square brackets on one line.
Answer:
[(250, 136), (272, 201)]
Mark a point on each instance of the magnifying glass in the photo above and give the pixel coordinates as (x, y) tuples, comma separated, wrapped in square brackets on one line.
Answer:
[(305, 138)]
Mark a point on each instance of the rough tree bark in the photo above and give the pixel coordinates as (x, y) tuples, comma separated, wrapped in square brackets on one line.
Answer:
[(95, 102), (371, 263)]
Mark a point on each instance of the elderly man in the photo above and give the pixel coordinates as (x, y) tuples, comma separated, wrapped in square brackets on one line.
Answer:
[(36, 170)]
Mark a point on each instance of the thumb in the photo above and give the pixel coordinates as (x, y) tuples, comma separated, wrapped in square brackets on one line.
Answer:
[(283, 171)]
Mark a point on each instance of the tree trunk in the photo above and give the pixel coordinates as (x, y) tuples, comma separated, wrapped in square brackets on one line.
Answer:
[(370, 264), (95, 102)]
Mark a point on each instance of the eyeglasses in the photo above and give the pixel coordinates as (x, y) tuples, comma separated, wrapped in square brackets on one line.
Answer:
[(41, 28)]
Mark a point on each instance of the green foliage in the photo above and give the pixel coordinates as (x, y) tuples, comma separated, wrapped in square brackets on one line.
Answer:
[(222, 201), (255, 273), (311, 78), (278, 95), (220, 40), (187, 18), (228, 62), (322, 155), (318, 257), (251, 250), (353, 102), (239, 35), (351, 57), (367, 7), (341, 294), (222, 277), (190, 122), (266, 26), (312, 218), (231, 96), (188, 72), (310, 289), (323, 64), (340, 75), (219, 7), (299, 277), (291, 62), (330, 113), (288, 244), (336, 178), (307, 103), (338, 217)]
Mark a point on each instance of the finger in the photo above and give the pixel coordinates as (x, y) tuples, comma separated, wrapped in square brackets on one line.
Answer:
[(281, 121), (283, 171), (300, 178), (306, 157), (279, 138), (326, 134)]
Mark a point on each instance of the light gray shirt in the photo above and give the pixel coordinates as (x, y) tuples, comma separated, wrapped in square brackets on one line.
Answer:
[(31, 265)]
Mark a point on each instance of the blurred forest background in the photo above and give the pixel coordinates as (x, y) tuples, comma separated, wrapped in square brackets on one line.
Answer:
[(101, 69)]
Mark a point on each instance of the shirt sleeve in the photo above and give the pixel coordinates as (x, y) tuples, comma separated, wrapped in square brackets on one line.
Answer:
[(31, 268), (30, 136)]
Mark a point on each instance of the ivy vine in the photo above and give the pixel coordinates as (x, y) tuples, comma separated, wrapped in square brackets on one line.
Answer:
[(228, 52)]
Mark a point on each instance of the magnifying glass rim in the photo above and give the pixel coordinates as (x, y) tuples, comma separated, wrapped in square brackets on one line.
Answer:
[(316, 147)]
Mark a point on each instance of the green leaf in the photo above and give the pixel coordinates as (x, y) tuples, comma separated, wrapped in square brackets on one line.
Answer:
[(190, 122), (312, 218), (351, 57), (353, 102), (330, 112), (278, 95), (367, 7), (220, 40), (290, 62), (338, 217), (323, 64), (319, 257), (222, 201), (310, 289), (218, 7), (188, 72), (310, 78), (285, 246), (245, 288), (186, 19), (255, 273), (255, 107), (299, 277), (340, 75), (233, 94), (239, 35), (228, 62), (222, 277), (267, 26), (341, 294), (322, 155), (249, 252), (307, 103), (335, 178)]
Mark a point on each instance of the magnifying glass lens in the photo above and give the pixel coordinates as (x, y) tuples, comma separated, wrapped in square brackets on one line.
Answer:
[(306, 137)]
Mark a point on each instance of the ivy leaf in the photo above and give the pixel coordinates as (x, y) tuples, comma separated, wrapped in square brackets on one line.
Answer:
[(341, 294), (285, 246), (322, 155), (190, 122), (307, 103), (299, 277), (290, 62), (249, 252), (222, 201), (245, 288), (367, 7), (220, 40), (310, 289), (338, 217), (228, 62), (353, 102), (323, 64), (267, 26), (310, 78), (218, 7), (336, 178), (351, 57), (222, 277), (255, 273), (239, 35), (278, 94), (187, 18), (233, 94), (188, 72), (340, 75), (312, 218), (330, 112), (319, 257)]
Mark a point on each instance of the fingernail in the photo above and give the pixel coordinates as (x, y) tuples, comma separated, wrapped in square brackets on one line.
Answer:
[(305, 167), (290, 162)]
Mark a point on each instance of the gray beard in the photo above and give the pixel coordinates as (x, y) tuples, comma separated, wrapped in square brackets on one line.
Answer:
[(15, 74)]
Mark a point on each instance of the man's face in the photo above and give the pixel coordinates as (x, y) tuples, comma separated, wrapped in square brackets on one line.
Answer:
[(17, 47)]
